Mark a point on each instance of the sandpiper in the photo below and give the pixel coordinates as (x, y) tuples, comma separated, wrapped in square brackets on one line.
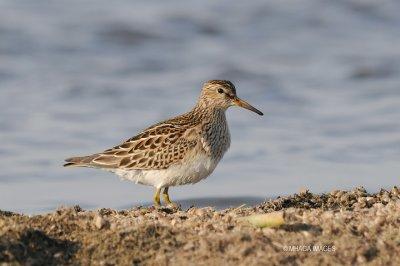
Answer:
[(182, 150)]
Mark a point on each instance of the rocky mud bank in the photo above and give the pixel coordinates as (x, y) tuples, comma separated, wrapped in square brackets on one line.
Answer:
[(341, 227)]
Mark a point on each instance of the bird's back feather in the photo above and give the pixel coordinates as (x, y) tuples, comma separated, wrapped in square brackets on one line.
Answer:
[(157, 147)]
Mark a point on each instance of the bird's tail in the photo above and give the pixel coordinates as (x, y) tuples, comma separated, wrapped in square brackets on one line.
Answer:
[(84, 161)]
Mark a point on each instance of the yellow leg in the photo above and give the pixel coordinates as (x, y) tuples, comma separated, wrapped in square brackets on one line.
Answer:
[(156, 198), (167, 200)]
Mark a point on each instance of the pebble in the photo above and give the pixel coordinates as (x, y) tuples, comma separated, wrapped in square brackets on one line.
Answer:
[(58, 255), (113, 226), (100, 222), (188, 246), (334, 192), (395, 191), (370, 200), (379, 221), (199, 212), (340, 218), (303, 191), (339, 194)]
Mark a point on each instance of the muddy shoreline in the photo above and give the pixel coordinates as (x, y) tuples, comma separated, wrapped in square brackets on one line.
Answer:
[(346, 227)]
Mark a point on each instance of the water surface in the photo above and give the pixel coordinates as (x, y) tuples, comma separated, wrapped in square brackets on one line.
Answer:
[(77, 77)]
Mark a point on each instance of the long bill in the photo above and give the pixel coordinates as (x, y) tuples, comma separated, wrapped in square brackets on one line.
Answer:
[(246, 105)]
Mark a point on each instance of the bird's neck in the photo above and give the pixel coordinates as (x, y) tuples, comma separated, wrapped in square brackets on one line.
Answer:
[(203, 111)]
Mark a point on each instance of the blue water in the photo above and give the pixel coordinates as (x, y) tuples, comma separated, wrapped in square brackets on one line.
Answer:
[(77, 77)]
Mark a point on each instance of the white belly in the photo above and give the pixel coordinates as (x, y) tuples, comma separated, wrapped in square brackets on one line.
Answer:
[(189, 171)]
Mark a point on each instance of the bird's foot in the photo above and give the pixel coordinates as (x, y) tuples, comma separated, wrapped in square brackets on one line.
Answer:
[(168, 203), (173, 205)]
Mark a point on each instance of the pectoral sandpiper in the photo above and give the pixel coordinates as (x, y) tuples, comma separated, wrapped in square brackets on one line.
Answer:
[(182, 150)]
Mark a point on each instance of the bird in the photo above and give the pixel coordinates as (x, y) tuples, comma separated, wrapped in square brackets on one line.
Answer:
[(182, 150)]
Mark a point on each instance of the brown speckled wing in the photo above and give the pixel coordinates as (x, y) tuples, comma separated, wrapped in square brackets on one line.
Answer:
[(157, 147)]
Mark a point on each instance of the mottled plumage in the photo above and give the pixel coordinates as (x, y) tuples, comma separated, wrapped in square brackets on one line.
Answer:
[(178, 151)]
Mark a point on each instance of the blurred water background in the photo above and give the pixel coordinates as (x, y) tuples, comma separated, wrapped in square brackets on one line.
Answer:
[(77, 77)]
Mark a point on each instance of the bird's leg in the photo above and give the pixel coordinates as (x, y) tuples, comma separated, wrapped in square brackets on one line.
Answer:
[(166, 196), (167, 200), (156, 198)]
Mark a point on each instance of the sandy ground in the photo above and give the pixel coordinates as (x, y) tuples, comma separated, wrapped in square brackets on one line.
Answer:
[(340, 227)]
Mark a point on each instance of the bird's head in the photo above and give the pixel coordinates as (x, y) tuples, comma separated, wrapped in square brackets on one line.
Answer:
[(222, 94)]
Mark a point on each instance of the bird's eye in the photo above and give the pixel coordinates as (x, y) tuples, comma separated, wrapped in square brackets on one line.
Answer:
[(220, 90)]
